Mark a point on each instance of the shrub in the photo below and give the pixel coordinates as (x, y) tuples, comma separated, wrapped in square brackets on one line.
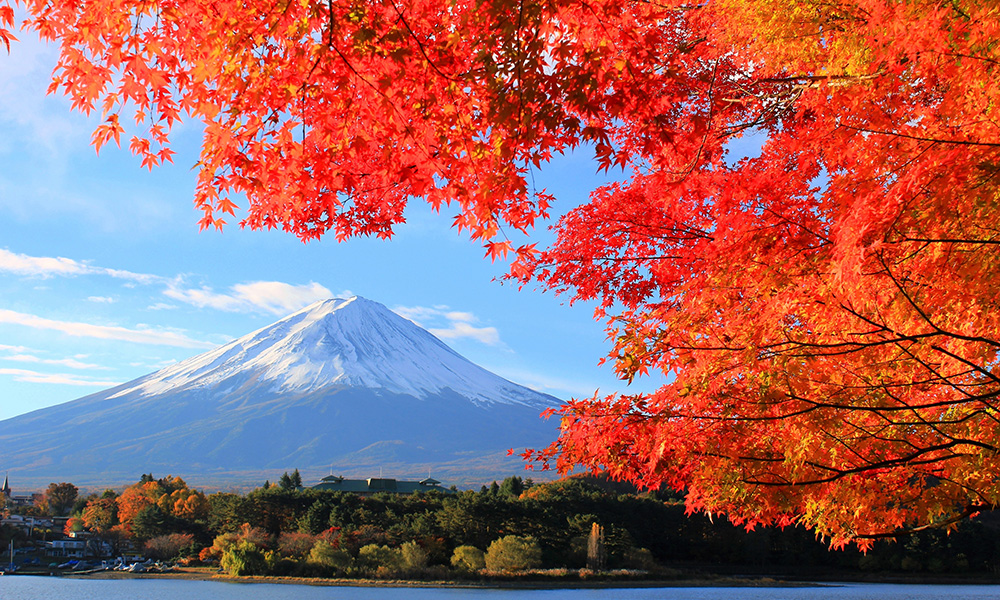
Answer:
[(329, 557), (252, 535), (295, 544), (169, 546), (639, 558), (279, 565), (381, 560), (414, 557), (210, 554), (468, 558), (513, 553), (244, 558), (911, 564)]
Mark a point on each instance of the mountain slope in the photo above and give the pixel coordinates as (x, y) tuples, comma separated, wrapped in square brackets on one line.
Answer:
[(342, 384)]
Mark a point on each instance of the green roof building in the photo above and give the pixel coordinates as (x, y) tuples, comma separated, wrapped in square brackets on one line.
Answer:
[(370, 486)]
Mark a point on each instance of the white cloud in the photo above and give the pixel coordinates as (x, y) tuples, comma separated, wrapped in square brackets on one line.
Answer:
[(57, 378), (38, 266), (466, 317), (560, 388), (459, 329), (49, 266), (417, 314), (449, 324), (275, 297), (204, 298), (281, 298), (65, 362), (108, 332), (18, 349), (162, 306)]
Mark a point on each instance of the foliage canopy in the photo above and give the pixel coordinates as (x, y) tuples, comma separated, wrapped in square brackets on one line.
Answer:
[(826, 307)]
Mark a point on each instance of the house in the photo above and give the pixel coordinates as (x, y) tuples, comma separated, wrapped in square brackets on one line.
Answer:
[(68, 548), (28, 524), (79, 544), (367, 487)]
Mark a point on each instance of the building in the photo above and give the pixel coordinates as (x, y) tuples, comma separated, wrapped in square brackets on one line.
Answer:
[(28, 524), (19, 500), (68, 548), (367, 487)]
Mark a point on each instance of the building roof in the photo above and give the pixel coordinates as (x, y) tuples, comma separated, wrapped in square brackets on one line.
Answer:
[(374, 485)]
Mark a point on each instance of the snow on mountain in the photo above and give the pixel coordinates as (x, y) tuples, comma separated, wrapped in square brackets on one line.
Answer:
[(351, 342), (341, 384)]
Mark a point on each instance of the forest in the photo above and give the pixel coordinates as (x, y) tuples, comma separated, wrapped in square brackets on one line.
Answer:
[(581, 522)]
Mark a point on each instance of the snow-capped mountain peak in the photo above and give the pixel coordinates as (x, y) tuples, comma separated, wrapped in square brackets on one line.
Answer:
[(350, 343)]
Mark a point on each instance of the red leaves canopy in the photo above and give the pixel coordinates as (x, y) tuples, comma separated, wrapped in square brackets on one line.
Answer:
[(827, 308)]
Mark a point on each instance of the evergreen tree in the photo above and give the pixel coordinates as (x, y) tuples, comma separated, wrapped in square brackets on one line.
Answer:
[(512, 487)]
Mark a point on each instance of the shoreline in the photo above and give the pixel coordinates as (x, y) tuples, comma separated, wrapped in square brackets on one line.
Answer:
[(564, 582), (540, 582)]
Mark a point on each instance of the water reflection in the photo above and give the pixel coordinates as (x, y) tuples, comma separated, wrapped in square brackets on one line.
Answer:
[(52, 588)]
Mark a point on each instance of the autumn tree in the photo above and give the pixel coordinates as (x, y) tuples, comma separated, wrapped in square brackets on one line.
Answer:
[(147, 508), (59, 498), (597, 556), (100, 515), (804, 238), (73, 525), (824, 305)]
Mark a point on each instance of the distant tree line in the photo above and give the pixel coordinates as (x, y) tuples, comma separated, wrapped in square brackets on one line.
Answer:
[(579, 522)]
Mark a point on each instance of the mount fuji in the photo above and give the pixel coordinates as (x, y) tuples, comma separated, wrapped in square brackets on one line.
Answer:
[(343, 386)]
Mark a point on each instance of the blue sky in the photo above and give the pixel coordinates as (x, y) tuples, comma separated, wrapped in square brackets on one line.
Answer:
[(104, 276)]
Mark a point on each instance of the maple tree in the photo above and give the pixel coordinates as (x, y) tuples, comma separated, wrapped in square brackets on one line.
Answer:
[(100, 515), (170, 495), (825, 307)]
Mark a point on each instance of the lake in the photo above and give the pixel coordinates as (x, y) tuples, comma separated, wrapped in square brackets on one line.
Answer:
[(54, 588)]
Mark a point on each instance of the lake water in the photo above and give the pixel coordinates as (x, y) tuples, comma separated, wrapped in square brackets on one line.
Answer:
[(54, 588)]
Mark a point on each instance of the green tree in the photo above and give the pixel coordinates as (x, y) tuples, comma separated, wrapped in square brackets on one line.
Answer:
[(468, 558), (244, 558), (328, 556), (151, 522), (414, 556), (316, 519), (512, 487), (381, 560), (513, 553)]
